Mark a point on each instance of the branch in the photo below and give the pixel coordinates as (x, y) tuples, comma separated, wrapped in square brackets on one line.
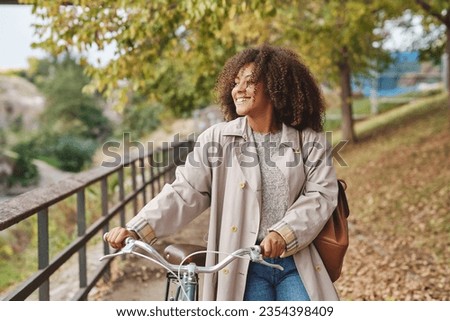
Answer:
[(427, 7)]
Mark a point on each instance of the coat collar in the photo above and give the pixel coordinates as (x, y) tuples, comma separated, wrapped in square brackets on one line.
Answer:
[(239, 127)]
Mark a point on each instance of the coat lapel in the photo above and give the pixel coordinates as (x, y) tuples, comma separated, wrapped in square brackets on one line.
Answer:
[(245, 154)]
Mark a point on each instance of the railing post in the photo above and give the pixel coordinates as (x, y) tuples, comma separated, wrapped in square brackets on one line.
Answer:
[(176, 159), (152, 176), (158, 173), (104, 195), (121, 196), (81, 225), (134, 184), (144, 186), (43, 252)]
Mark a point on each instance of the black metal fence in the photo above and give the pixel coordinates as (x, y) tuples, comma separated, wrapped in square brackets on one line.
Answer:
[(111, 191)]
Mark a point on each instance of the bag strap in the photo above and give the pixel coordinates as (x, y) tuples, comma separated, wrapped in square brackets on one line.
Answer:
[(300, 139), (342, 184)]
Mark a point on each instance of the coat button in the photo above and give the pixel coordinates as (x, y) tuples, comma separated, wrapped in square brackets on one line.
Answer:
[(234, 229), (318, 268), (242, 185), (226, 271)]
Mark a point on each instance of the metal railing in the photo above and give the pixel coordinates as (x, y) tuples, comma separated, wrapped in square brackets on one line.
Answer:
[(136, 180)]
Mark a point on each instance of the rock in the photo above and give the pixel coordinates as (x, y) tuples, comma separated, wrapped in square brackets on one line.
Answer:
[(20, 101)]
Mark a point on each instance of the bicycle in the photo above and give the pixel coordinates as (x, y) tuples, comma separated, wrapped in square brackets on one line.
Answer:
[(186, 276)]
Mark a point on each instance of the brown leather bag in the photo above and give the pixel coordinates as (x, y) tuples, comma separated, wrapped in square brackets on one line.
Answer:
[(332, 241)]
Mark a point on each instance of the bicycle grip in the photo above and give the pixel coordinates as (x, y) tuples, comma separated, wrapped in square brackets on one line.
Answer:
[(125, 241)]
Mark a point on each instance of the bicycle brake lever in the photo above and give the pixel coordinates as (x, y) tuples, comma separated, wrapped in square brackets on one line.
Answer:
[(255, 256), (274, 266), (127, 249), (255, 253), (129, 245)]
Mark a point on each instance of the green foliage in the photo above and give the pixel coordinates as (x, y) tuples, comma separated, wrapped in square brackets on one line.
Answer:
[(3, 139), (24, 172), (18, 254), (69, 110), (72, 125), (64, 151), (73, 152), (16, 124), (434, 20), (140, 119), (158, 44), (170, 53), (13, 273), (38, 70), (327, 33), (435, 13)]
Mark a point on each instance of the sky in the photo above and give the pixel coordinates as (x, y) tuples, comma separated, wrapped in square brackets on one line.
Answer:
[(17, 34)]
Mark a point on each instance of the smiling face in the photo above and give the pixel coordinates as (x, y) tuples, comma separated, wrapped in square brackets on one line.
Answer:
[(249, 98)]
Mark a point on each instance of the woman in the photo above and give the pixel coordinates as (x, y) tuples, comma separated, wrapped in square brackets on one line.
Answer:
[(262, 186)]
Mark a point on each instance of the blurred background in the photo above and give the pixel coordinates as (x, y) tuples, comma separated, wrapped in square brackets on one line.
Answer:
[(73, 77)]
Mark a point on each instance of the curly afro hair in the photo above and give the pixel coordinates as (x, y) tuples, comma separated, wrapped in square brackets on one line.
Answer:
[(288, 82)]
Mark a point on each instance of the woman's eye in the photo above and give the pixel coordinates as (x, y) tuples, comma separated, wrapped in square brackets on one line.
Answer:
[(245, 83)]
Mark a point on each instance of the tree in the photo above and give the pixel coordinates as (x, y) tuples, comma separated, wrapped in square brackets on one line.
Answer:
[(170, 52), (69, 110), (158, 44), (338, 39), (438, 11), (72, 124)]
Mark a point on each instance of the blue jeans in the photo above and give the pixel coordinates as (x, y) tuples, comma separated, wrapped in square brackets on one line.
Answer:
[(268, 284)]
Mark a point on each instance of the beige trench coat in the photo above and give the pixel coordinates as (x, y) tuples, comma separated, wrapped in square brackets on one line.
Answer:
[(223, 173)]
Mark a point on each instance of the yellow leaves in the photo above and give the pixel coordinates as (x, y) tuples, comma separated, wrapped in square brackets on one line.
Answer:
[(131, 31), (202, 8), (243, 6), (146, 33), (232, 11)]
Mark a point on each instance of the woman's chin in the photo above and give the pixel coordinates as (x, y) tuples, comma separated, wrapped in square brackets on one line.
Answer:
[(241, 111)]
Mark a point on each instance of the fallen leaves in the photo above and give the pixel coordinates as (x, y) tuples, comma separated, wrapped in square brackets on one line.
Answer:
[(400, 216)]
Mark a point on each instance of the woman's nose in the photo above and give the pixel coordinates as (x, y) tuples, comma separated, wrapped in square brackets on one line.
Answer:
[(240, 86)]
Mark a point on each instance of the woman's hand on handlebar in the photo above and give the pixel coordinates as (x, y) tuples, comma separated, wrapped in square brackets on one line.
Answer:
[(116, 237), (273, 245)]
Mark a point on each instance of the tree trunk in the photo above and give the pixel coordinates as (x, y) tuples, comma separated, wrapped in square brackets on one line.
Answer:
[(348, 132), (447, 51)]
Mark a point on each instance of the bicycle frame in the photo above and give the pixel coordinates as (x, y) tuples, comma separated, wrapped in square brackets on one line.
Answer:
[(187, 289)]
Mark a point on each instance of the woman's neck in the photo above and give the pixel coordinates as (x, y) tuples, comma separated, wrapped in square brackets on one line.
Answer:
[(264, 126)]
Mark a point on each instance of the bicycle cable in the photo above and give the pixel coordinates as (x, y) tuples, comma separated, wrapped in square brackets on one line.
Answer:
[(175, 275)]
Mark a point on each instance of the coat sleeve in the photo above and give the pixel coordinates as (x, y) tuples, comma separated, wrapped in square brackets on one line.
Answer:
[(306, 217), (180, 202)]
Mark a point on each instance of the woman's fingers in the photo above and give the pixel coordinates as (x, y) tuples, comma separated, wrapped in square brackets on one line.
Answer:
[(273, 245), (116, 237)]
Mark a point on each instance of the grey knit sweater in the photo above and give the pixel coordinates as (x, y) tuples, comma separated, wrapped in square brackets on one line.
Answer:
[(273, 183)]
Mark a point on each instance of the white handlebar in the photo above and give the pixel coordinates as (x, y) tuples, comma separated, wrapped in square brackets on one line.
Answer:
[(253, 252)]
